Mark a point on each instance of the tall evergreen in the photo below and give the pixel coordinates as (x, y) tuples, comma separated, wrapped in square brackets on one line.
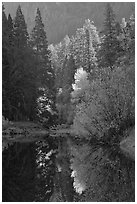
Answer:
[(45, 72), (85, 45), (90, 46), (78, 47), (127, 41), (19, 75), (10, 41), (110, 46), (20, 29), (20, 72), (129, 36), (5, 32), (4, 35), (40, 46), (5, 64), (4, 27), (10, 30), (88, 51)]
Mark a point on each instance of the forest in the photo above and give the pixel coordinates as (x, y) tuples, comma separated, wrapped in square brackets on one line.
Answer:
[(68, 112)]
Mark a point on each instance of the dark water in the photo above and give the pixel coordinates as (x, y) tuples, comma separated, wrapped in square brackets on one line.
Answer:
[(28, 170)]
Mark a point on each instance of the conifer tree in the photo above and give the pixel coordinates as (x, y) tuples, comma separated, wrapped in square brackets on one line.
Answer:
[(58, 57), (10, 41), (91, 44), (19, 103), (10, 30), (5, 64), (45, 73), (4, 35), (85, 45), (19, 77), (127, 41), (4, 27), (110, 46), (89, 59), (78, 45), (128, 36), (20, 30), (40, 46)]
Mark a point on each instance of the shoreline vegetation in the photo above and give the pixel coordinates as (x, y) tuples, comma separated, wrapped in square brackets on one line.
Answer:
[(68, 124)]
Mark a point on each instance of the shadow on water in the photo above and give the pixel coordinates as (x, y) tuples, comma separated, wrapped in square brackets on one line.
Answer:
[(27, 171)]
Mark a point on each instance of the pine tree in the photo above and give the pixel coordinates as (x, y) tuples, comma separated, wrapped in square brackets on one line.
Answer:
[(110, 46), (19, 78), (10, 30), (94, 35), (10, 41), (40, 45), (19, 103), (21, 72), (45, 73), (58, 56), (4, 36), (78, 47), (4, 27), (20, 30), (55, 62), (5, 63), (127, 41), (89, 59), (85, 45), (88, 51), (128, 36)]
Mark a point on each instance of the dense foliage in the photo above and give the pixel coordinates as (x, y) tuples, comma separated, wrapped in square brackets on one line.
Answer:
[(104, 114), (85, 88), (110, 46), (28, 85), (19, 89), (27, 71)]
